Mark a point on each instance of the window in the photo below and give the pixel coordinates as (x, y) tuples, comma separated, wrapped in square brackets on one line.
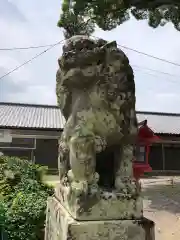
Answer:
[(140, 154), (28, 143)]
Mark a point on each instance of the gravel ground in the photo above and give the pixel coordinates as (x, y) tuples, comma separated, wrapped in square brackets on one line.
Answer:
[(162, 205)]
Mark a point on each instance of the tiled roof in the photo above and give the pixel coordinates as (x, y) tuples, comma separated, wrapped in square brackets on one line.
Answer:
[(162, 123), (14, 115), (17, 115)]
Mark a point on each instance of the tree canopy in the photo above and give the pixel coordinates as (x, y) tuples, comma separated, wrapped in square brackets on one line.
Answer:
[(81, 16)]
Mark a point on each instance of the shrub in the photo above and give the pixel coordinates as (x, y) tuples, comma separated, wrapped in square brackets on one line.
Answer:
[(3, 210), (23, 198)]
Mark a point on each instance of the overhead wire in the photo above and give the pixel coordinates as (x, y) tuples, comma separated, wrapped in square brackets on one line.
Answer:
[(155, 70), (123, 46), (149, 55), (155, 75), (146, 54), (150, 69), (26, 48), (53, 45), (30, 60)]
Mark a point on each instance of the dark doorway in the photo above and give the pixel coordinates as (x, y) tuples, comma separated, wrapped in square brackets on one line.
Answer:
[(46, 152), (172, 157), (155, 157)]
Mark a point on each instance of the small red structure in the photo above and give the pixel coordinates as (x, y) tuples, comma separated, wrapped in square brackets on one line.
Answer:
[(141, 154)]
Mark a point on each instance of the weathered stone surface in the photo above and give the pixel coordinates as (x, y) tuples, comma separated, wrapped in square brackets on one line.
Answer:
[(97, 197), (96, 93), (61, 226), (106, 205)]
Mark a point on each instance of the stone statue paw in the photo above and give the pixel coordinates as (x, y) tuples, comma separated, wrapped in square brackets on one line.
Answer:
[(125, 186), (119, 184), (94, 189), (131, 187), (79, 188)]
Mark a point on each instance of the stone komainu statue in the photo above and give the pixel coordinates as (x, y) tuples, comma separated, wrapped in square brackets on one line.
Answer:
[(96, 93)]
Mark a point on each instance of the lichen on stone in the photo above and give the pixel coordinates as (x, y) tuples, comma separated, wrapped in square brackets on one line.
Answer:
[(96, 93)]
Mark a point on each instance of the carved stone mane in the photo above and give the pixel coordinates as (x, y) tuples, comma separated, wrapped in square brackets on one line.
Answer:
[(96, 93)]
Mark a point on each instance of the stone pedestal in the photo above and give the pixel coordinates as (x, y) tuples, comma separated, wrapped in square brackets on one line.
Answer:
[(104, 205), (60, 225)]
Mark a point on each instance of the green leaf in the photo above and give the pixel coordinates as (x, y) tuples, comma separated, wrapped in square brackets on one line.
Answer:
[(23, 198), (108, 14)]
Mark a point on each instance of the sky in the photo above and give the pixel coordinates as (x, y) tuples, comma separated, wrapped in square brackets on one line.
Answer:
[(33, 23)]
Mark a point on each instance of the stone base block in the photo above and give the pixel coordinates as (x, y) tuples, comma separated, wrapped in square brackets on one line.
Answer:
[(105, 205), (61, 226)]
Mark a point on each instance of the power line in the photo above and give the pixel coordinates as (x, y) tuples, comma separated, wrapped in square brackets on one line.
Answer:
[(146, 54), (53, 45), (123, 46), (25, 48), (154, 75), (30, 60), (149, 55), (157, 71)]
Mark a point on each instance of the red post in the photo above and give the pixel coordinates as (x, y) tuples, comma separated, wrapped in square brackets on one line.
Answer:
[(145, 138)]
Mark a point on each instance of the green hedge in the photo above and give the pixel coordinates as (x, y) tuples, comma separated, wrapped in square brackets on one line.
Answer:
[(23, 198)]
